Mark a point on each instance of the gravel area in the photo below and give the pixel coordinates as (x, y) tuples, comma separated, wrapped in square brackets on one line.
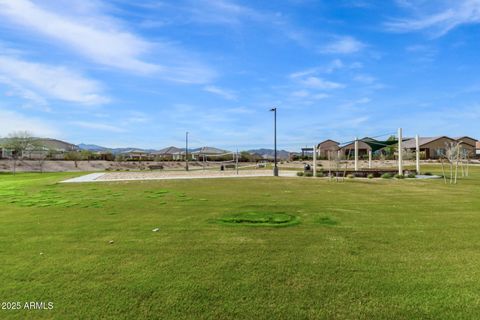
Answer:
[(168, 175)]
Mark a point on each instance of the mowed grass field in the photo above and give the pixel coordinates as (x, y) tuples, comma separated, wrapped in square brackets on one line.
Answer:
[(363, 249)]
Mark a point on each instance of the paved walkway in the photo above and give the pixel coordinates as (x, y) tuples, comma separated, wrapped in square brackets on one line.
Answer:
[(86, 178), (165, 175)]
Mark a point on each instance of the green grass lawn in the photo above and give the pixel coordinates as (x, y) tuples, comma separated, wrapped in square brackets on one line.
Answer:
[(362, 249)]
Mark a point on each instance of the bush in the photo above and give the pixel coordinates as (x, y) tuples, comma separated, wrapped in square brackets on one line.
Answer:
[(300, 174), (399, 176), (387, 175), (350, 176), (308, 174), (428, 173), (411, 175), (370, 176), (320, 174)]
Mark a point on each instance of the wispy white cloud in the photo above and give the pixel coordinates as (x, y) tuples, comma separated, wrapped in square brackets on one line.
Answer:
[(235, 14), (222, 12), (456, 13), (343, 45), (35, 81), (14, 121), (102, 41), (97, 126), (305, 94), (332, 67), (17, 90), (320, 83), (105, 40), (227, 94), (365, 79)]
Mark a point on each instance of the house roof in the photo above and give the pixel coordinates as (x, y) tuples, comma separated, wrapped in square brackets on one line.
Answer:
[(136, 151), (459, 138), (410, 143), (464, 138), (169, 150), (210, 150), (328, 140)]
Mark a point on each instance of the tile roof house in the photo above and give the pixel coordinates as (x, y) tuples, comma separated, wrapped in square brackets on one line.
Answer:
[(170, 153), (435, 147), (208, 151)]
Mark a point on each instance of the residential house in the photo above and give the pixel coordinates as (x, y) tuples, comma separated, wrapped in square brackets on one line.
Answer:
[(326, 147), (468, 146), (430, 147), (209, 153), (137, 155), (170, 153)]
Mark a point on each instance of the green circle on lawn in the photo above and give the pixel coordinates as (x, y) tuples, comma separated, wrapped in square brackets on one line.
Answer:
[(266, 219)]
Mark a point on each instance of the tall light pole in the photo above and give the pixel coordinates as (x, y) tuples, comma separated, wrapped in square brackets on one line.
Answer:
[(275, 168), (186, 150)]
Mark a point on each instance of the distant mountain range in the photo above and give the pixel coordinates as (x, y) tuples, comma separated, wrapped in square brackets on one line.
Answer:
[(94, 147), (264, 153)]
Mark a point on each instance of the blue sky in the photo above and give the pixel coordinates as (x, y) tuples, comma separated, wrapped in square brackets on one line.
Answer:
[(141, 73)]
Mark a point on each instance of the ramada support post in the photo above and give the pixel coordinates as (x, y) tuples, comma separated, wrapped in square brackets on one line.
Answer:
[(356, 154)]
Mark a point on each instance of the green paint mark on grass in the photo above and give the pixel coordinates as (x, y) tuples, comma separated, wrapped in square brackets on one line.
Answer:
[(266, 219)]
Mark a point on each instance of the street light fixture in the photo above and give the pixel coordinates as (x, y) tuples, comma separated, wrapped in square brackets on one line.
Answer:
[(275, 168)]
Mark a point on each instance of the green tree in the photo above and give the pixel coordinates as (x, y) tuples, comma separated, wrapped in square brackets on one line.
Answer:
[(18, 142)]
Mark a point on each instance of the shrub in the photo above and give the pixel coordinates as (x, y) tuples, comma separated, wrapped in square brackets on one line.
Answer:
[(300, 173), (399, 176), (308, 174), (411, 175), (370, 176), (350, 176), (428, 173), (387, 175), (320, 174)]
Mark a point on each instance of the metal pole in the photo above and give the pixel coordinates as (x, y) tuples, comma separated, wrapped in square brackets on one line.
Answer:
[(275, 168), (314, 160), (356, 154), (400, 151), (417, 153), (186, 151)]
